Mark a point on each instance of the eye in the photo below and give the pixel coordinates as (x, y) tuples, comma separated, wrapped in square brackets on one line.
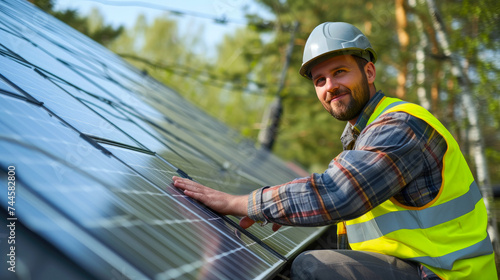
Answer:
[(319, 81), (339, 71)]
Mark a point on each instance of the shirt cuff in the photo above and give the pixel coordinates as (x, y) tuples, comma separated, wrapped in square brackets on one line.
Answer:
[(255, 205)]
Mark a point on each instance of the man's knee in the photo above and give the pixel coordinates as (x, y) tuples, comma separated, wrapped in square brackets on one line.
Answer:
[(304, 266), (348, 264)]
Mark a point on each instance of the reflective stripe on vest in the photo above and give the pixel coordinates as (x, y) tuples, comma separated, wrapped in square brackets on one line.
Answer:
[(429, 217), (448, 235)]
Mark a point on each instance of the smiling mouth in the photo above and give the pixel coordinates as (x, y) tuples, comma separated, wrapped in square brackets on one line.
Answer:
[(337, 97)]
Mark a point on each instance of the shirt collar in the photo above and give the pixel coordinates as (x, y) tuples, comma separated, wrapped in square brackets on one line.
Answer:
[(367, 112), (351, 133)]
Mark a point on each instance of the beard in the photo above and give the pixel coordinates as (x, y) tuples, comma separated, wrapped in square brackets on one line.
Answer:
[(359, 97)]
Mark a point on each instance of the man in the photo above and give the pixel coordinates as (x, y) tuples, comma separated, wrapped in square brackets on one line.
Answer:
[(401, 192)]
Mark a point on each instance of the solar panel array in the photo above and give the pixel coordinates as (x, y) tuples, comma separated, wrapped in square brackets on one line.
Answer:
[(95, 143)]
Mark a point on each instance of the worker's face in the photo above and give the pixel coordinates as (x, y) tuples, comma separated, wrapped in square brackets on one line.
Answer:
[(342, 87)]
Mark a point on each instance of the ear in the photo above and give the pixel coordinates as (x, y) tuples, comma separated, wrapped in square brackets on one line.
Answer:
[(370, 72)]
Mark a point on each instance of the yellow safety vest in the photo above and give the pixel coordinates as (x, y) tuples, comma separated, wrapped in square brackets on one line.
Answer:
[(447, 235)]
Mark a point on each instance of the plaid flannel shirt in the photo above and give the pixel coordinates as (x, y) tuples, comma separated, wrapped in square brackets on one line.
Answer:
[(397, 155)]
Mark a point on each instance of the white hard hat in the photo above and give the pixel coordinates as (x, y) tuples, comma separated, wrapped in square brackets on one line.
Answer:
[(330, 39)]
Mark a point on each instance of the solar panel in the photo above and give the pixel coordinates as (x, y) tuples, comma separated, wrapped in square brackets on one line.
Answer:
[(95, 143)]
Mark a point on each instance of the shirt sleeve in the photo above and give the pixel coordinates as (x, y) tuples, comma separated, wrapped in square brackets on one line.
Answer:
[(386, 157)]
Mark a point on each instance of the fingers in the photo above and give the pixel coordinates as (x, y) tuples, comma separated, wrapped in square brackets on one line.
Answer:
[(216, 200), (246, 222), (190, 188), (276, 227), (186, 184)]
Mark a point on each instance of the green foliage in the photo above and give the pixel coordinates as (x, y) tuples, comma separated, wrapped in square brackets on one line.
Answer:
[(473, 29)]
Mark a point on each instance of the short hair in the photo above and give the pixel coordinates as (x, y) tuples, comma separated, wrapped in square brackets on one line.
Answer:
[(360, 61)]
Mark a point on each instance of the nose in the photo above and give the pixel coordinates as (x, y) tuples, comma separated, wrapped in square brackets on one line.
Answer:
[(331, 85)]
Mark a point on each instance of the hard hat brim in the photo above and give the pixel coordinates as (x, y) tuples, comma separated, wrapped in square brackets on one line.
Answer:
[(305, 69)]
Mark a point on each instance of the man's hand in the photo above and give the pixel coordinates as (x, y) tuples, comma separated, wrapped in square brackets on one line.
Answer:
[(246, 222), (221, 202)]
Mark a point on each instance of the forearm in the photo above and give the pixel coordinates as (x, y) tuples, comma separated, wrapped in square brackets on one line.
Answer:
[(238, 206)]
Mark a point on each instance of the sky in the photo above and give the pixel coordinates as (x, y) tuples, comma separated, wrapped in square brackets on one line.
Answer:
[(197, 13)]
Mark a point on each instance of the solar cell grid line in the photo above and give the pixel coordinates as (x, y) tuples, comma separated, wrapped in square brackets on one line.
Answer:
[(195, 157), (145, 87), (66, 107), (209, 245), (187, 115), (147, 247), (21, 126), (279, 241), (175, 149), (240, 172), (21, 129), (287, 241), (5, 51), (157, 171), (9, 89), (9, 22), (177, 230), (122, 95), (245, 157), (30, 52), (132, 129), (17, 90), (38, 23), (45, 59), (43, 219), (162, 133), (34, 160), (154, 171), (21, 40), (211, 149), (201, 122), (273, 169), (74, 80), (169, 211), (79, 200), (40, 26)]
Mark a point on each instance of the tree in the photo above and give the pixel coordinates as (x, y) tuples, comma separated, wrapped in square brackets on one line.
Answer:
[(475, 132), (404, 42)]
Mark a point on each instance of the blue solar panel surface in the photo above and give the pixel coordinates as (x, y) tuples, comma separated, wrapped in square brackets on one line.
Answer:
[(95, 144)]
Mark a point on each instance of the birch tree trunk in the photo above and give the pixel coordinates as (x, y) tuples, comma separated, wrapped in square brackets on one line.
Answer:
[(475, 134), (420, 57)]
